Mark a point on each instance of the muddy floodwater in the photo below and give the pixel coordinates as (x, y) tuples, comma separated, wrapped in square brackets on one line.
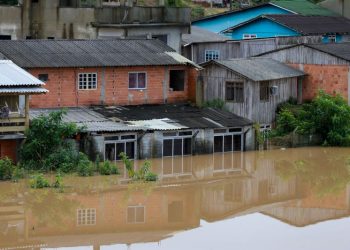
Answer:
[(277, 199)]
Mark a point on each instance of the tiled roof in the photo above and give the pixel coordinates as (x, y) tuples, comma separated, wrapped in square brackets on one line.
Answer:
[(90, 53), (258, 69)]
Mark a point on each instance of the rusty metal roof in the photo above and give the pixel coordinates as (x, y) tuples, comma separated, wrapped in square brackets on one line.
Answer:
[(90, 53)]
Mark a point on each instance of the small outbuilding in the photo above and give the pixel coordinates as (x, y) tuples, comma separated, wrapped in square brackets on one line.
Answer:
[(251, 88)]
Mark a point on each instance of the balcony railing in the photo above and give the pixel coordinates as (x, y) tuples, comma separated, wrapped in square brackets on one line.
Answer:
[(15, 123)]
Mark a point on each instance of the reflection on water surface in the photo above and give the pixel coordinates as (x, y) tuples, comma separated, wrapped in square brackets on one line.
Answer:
[(278, 199)]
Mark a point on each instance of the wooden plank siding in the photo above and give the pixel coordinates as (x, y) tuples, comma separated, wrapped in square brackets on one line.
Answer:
[(213, 79)]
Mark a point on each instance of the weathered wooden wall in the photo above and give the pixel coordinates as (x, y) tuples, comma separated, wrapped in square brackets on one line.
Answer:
[(213, 79), (305, 55), (244, 48)]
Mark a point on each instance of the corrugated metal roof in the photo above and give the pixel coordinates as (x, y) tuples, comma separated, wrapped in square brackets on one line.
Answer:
[(23, 90), (179, 114), (158, 124), (87, 119), (14, 76), (90, 53), (259, 69), (199, 35), (313, 25), (303, 7)]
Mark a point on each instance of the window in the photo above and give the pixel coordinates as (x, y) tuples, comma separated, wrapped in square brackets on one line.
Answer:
[(332, 38), (163, 38), (115, 145), (175, 211), (86, 217), (12, 102), (228, 140), (177, 80), (136, 214), (211, 55), (5, 37), (43, 77), (234, 91), (264, 91), (137, 80), (249, 36), (87, 81), (179, 144)]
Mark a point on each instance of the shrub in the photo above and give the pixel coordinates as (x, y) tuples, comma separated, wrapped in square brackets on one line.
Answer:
[(151, 177), (64, 159), (108, 168), (128, 164), (18, 173), (215, 103), (39, 181), (85, 167), (45, 142), (58, 181), (286, 122), (6, 168)]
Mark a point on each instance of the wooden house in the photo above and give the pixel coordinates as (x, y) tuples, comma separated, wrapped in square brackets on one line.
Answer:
[(202, 45), (251, 88), (327, 67), (16, 86)]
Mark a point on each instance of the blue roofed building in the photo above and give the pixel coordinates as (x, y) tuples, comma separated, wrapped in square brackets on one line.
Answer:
[(220, 23), (328, 28)]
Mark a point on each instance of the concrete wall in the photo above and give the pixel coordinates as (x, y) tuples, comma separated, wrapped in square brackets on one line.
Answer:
[(11, 21), (112, 87)]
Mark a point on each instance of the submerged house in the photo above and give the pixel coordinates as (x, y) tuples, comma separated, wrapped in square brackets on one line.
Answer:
[(110, 72), (329, 29), (327, 67), (16, 87), (251, 88), (155, 131)]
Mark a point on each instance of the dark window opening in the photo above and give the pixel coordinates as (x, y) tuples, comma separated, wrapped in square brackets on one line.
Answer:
[(218, 143), (234, 91), (177, 80), (264, 91), (114, 148), (237, 143), (175, 211), (228, 143), (5, 37), (177, 146), (43, 77), (163, 38), (12, 102), (51, 38), (167, 147), (187, 146)]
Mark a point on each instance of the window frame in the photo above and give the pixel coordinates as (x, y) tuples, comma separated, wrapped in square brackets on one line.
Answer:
[(235, 83), (249, 36), (267, 92), (135, 207), (332, 38), (137, 72), (41, 75), (211, 54), (117, 139), (87, 83), (85, 217), (174, 136), (226, 132)]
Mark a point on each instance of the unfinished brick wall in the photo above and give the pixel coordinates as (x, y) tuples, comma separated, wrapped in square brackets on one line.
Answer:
[(112, 87), (333, 79), (8, 148)]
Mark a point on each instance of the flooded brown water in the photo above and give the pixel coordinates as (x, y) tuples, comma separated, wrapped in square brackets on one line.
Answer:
[(278, 199)]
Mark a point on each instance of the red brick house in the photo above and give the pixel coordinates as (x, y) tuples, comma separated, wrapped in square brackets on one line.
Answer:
[(327, 67), (110, 72)]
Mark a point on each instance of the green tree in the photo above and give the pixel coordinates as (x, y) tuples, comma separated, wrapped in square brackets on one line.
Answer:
[(45, 142)]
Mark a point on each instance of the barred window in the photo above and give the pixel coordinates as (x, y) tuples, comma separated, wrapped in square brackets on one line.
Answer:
[(86, 217), (87, 81), (264, 91), (235, 91), (211, 55)]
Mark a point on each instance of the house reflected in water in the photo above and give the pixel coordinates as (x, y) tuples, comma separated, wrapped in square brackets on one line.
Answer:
[(109, 210)]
